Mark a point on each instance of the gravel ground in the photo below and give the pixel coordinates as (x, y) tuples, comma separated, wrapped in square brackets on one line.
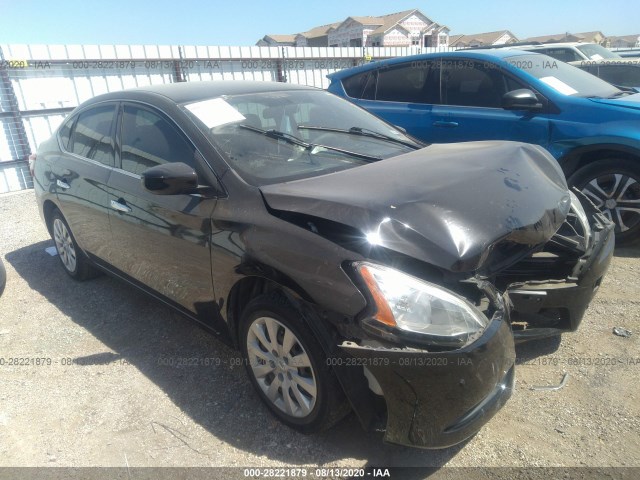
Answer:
[(108, 399)]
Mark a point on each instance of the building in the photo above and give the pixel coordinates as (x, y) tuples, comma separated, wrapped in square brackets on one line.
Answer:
[(589, 37), (626, 41), (502, 37), (277, 40), (401, 29), (316, 37)]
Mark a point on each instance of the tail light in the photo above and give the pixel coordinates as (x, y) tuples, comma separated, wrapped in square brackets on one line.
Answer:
[(32, 163)]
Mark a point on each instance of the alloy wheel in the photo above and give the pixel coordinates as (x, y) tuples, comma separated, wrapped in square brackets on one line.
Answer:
[(618, 196), (64, 245), (281, 367)]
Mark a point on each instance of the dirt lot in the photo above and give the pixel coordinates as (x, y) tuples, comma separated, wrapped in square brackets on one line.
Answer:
[(108, 399)]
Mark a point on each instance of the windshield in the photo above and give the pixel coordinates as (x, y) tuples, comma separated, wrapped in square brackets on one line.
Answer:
[(596, 52), (562, 77), (272, 137)]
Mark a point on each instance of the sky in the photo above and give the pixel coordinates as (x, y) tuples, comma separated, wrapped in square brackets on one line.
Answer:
[(243, 22)]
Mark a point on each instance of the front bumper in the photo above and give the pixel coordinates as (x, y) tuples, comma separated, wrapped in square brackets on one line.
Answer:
[(435, 400), (544, 307)]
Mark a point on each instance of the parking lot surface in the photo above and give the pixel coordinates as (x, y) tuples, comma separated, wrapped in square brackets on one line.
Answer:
[(111, 380)]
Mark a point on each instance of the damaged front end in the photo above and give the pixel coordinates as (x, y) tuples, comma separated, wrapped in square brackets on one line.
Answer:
[(551, 288), (431, 396), (435, 388), (447, 246)]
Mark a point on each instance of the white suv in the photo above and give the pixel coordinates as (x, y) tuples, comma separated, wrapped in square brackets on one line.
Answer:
[(571, 51), (624, 73)]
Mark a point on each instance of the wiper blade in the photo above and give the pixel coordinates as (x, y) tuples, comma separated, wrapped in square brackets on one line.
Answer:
[(621, 93), (278, 135), (382, 136), (364, 132), (615, 95), (293, 140)]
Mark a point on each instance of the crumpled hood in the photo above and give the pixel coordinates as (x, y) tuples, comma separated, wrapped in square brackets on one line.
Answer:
[(462, 207), (630, 101)]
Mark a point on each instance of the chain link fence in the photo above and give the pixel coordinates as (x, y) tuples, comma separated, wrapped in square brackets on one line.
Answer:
[(41, 84)]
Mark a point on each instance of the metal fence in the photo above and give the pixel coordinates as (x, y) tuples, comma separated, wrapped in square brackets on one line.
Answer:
[(41, 84)]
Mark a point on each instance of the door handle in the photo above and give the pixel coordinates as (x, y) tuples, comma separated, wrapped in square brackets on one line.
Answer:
[(445, 124), (120, 207), (62, 184)]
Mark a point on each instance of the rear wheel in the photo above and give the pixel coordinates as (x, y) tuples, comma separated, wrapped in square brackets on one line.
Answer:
[(614, 187), (288, 367), (73, 260)]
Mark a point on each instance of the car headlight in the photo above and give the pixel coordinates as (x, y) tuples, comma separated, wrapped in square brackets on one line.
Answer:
[(410, 305), (578, 209)]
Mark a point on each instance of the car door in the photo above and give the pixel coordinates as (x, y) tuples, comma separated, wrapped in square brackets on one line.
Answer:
[(471, 106), (160, 241), (81, 173)]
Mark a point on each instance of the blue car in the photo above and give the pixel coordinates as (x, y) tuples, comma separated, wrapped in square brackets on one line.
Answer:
[(591, 127)]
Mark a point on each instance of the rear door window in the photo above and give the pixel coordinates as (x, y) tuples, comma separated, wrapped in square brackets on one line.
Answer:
[(362, 85), (563, 54), (64, 134), (92, 135)]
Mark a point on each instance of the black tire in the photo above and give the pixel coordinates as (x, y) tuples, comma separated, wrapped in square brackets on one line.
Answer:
[(604, 183), (80, 268), (3, 277), (329, 405)]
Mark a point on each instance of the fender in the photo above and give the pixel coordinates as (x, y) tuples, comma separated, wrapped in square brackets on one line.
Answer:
[(577, 157), (319, 321)]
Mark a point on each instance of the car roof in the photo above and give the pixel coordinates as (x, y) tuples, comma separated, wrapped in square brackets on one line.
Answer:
[(479, 54), (608, 61), (560, 44), (187, 92)]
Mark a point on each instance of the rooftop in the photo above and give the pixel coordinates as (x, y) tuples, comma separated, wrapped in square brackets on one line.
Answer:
[(186, 92)]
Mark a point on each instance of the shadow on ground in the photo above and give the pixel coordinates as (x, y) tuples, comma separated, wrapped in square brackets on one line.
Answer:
[(535, 348), (632, 251), (219, 397)]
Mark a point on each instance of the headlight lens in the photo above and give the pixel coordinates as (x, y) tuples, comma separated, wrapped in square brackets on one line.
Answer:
[(413, 305), (578, 209)]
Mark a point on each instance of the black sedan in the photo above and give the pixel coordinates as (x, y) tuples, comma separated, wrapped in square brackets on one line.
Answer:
[(354, 268), (623, 73)]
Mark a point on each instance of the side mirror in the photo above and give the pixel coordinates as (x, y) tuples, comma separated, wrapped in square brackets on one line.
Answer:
[(170, 179), (522, 99)]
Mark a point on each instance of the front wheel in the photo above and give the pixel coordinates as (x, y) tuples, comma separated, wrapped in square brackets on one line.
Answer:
[(3, 277), (614, 187), (288, 367)]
